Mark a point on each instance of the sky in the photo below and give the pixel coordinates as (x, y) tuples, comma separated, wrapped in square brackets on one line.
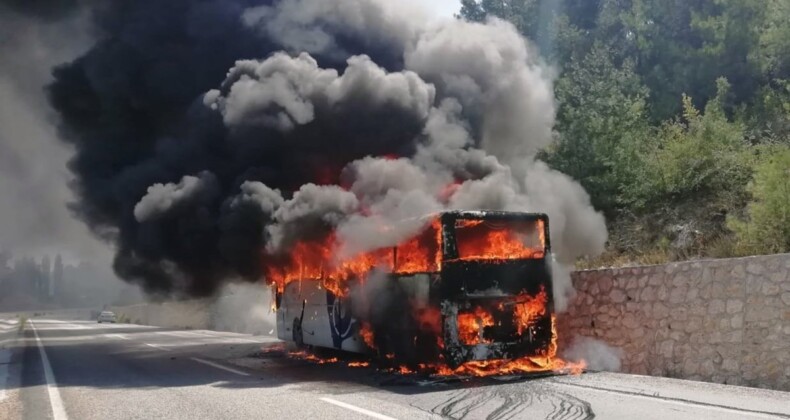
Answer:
[(444, 7), (34, 219)]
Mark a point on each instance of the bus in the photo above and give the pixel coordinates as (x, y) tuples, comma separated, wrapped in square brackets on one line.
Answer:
[(470, 286)]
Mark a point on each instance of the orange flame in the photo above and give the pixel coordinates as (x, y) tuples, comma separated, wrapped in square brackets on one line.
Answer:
[(315, 260), (546, 363), (529, 309), (303, 355), (478, 241), (367, 335), (470, 326)]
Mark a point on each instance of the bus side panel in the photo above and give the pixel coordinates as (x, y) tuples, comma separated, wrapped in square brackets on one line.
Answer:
[(315, 323), (289, 310), (325, 321)]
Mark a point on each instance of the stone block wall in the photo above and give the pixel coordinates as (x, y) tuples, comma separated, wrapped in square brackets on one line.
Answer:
[(725, 321)]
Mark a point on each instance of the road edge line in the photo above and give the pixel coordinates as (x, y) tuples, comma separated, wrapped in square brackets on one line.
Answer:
[(55, 401), (157, 347), (360, 410), (5, 377)]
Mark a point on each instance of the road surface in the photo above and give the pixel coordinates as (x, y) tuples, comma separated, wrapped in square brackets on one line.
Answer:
[(60, 370)]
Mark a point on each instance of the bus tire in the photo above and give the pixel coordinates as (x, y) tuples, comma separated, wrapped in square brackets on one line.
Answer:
[(298, 336)]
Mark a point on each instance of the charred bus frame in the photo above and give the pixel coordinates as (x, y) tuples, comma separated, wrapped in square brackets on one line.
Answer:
[(414, 317)]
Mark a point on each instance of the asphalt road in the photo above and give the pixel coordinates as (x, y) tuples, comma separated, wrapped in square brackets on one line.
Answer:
[(82, 370)]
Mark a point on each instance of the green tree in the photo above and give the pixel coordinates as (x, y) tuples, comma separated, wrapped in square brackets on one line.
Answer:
[(651, 161), (773, 54), (698, 160), (767, 228), (601, 121), (533, 18)]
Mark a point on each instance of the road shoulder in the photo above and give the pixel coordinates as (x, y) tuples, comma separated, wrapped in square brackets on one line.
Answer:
[(10, 368)]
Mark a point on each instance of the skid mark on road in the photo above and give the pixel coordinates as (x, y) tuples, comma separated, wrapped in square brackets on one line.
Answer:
[(682, 402), (508, 402)]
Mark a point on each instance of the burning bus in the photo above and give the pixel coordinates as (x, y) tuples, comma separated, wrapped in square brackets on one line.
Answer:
[(471, 292)]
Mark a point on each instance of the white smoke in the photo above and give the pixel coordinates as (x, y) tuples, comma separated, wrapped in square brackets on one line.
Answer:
[(495, 75), (312, 25), (265, 198), (598, 355), (243, 308), (161, 198), (562, 286), (310, 208)]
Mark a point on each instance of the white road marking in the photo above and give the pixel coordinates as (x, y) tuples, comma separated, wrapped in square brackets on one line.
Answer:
[(176, 334), (360, 410), (219, 366), (157, 347), (224, 338), (121, 336), (238, 340), (226, 335), (58, 412)]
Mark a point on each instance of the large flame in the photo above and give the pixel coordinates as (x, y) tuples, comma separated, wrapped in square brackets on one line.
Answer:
[(547, 363), (316, 260), (483, 240)]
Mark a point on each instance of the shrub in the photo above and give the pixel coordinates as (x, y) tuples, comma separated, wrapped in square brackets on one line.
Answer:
[(767, 226)]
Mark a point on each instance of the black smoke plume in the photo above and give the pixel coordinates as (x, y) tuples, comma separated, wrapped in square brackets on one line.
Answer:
[(208, 131)]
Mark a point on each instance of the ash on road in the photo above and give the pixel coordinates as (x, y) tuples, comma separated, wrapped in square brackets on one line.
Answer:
[(58, 369)]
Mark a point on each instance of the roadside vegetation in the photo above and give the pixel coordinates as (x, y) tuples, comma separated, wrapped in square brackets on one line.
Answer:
[(675, 116), (22, 323)]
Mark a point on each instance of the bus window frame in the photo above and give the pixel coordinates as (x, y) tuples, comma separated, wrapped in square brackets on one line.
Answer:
[(448, 221)]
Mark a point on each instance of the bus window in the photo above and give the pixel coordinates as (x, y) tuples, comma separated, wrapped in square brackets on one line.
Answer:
[(481, 239)]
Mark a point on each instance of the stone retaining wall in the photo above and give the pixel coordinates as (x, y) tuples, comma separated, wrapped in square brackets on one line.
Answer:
[(725, 321)]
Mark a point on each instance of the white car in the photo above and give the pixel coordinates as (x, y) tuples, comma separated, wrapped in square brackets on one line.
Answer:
[(107, 316)]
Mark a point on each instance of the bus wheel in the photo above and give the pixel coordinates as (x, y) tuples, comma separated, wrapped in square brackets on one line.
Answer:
[(298, 337)]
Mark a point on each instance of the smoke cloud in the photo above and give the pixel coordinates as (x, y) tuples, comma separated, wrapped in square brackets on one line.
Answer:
[(190, 191), (598, 355), (33, 175), (207, 131)]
